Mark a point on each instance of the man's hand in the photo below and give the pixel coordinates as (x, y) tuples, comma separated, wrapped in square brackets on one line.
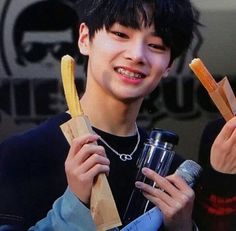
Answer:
[(223, 150), (84, 162), (173, 197)]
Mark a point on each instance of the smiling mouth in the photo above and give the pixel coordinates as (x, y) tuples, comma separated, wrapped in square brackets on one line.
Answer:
[(129, 74)]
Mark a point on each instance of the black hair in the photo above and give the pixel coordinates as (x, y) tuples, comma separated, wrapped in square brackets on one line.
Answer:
[(174, 20)]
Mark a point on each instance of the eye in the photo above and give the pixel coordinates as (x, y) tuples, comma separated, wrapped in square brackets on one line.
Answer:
[(157, 47), (119, 34)]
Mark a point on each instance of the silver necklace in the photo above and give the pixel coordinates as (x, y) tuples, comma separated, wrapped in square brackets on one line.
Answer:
[(124, 156)]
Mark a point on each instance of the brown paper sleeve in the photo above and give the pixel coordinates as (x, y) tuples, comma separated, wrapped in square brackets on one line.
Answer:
[(224, 99), (228, 94), (102, 204), (221, 105)]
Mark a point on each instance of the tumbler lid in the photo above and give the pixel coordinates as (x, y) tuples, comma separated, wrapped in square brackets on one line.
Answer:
[(161, 135)]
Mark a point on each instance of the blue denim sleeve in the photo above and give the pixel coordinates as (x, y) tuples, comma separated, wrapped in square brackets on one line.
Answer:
[(68, 213)]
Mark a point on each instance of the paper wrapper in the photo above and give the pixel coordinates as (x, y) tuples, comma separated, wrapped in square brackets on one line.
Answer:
[(224, 99), (102, 204)]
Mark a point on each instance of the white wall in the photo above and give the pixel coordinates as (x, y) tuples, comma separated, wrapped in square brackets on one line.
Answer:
[(219, 32)]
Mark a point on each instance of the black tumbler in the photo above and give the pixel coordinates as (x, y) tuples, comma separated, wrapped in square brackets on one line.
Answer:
[(157, 155)]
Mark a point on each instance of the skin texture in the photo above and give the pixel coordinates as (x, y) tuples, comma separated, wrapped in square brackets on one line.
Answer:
[(223, 151)]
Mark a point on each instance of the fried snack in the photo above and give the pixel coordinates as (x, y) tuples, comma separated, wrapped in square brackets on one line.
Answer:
[(221, 93), (203, 75), (72, 99), (102, 204)]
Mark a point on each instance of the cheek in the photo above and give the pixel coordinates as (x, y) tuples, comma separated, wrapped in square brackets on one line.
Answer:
[(102, 52), (152, 85), (104, 44), (161, 65)]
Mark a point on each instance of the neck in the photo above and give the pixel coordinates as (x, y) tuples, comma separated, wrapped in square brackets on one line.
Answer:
[(110, 115)]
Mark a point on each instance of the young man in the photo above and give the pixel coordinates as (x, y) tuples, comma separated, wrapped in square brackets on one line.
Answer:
[(129, 46)]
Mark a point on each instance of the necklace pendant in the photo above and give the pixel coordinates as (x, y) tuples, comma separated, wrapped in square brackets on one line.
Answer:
[(125, 157)]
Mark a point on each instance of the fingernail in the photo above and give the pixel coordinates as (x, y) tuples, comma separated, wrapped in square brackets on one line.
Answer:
[(144, 170), (138, 184)]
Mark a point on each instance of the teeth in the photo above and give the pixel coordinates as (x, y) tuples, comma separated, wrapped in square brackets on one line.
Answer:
[(128, 73)]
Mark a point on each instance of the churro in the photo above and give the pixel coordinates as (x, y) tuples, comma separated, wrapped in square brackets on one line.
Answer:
[(203, 74), (68, 79)]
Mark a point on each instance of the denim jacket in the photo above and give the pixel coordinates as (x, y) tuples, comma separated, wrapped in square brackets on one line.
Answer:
[(68, 213)]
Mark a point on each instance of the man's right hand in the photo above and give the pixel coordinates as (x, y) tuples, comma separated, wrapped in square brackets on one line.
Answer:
[(84, 162)]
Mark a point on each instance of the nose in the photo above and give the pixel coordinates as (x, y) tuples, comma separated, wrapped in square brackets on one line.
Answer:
[(136, 52)]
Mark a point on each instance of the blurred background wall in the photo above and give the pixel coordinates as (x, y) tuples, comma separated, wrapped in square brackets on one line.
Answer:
[(35, 34)]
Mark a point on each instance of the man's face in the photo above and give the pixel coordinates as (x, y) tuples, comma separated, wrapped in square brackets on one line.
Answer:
[(124, 62)]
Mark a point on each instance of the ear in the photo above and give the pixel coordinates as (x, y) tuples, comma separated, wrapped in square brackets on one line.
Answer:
[(83, 41), (166, 73)]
